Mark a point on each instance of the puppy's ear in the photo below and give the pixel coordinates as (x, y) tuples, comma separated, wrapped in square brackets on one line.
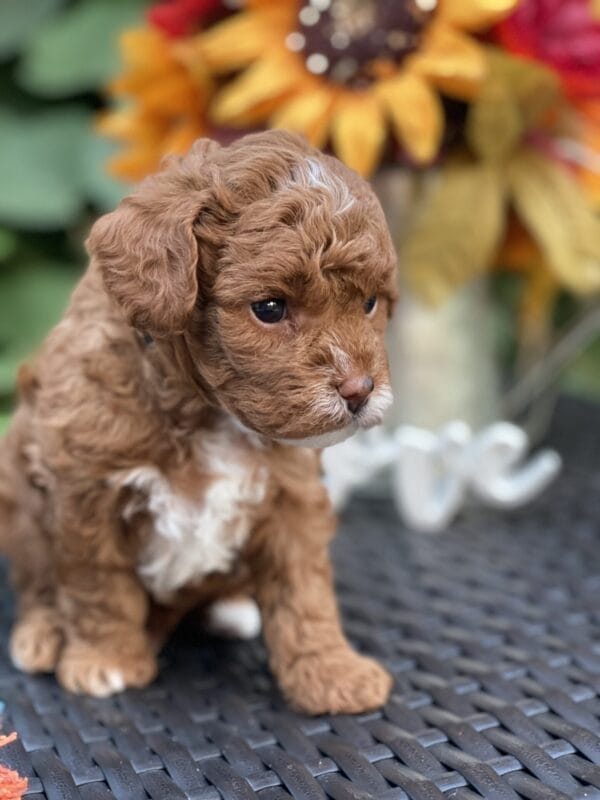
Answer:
[(146, 249)]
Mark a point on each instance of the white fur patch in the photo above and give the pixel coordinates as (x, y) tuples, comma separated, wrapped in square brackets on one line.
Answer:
[(314, 174), (324, 439), (370, 414), (237, 618), (193, 538), (373, 411)]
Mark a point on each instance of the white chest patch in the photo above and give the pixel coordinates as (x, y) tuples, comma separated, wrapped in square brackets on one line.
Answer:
[(193, 538)]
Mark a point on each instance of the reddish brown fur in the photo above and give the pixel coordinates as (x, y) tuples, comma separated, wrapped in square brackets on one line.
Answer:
[(183, 258)]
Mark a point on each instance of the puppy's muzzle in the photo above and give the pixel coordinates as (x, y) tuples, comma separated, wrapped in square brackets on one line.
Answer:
[(356, 390)]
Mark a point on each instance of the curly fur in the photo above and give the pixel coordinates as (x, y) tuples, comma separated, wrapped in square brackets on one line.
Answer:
[(148, 469)]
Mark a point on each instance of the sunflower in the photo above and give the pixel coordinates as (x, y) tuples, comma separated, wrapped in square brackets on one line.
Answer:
[(164, 102), (347, 71)]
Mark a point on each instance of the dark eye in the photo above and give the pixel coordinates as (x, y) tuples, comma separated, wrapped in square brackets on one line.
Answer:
[(370, 304), (269, 311)]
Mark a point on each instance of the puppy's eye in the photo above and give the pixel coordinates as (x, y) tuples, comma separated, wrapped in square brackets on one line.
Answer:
[(369, 304), (270, 311)]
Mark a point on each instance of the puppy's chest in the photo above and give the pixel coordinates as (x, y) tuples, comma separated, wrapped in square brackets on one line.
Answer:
[(200, 527)]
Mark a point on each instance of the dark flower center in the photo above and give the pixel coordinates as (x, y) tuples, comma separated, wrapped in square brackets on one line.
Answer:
[(352, 42)]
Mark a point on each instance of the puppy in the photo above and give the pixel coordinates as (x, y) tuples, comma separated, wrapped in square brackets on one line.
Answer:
[(163, 455)]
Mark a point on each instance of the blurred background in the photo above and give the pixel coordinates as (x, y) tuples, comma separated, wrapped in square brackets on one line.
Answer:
[(478, 122)]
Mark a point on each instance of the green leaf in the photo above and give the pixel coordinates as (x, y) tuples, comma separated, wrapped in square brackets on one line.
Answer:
[(4, 420), (456, 234), (32, 299), (8, 244), (515, 94), (104, 191), (553, 207), (39, 174), (19, 19), (78, 50), (583, 376)]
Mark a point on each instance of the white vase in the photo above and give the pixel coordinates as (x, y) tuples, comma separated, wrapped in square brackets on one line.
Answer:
[(442, 358)]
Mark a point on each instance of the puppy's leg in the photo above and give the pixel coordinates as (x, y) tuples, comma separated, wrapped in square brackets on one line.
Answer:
[(316, 668), (103, 605), (36, 637)]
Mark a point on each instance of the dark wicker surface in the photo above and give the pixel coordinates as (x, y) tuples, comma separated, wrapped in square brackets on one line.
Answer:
[(492, 631)]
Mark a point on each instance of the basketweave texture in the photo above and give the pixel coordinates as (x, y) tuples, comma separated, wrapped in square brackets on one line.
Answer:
[(492, 631)]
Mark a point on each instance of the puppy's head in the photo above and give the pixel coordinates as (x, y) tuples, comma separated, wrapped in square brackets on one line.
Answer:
[(274, 264)]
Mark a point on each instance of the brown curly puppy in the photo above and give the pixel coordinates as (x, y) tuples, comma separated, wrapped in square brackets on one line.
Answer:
[(231, 320)]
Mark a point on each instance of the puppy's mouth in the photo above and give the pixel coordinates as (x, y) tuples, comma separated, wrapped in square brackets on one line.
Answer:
[(368, 416)]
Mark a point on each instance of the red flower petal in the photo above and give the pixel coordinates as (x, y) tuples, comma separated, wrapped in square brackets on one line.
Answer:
[(560, 33), (180, 17)]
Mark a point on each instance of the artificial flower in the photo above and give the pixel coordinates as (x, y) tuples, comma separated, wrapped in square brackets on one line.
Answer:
[(587, 148), (462, 225), (346, 72), (181, 17), (163, 106), (564, 34)]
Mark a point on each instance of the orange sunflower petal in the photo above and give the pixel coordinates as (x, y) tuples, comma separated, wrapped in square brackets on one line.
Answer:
[(242, 101), (309, 113), (416, 114), (183, 137), (359, 130), (451, 60), (144, 48), (240, 39), (475, 15), (135, 163)]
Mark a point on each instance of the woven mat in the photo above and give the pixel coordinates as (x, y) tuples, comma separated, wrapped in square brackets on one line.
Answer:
[(492, 631)]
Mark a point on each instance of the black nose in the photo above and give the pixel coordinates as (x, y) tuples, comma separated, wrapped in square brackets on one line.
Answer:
[(356, 390)]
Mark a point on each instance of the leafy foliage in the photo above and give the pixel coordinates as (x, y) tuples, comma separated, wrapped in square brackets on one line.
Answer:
[(77, 50), (54, 57)]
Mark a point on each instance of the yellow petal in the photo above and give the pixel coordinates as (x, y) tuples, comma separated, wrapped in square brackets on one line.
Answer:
[(183, 137), (130, 125), (553, 207), (169, 96), (241, 101), (475, 15), (452, 61), (239, 40), (359, 130), (416, 114), (536, 307), (144, 49), (309, 113), (444, 249), (135, 164)]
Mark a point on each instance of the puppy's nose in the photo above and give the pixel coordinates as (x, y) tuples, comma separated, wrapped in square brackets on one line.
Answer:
[(356, 390)]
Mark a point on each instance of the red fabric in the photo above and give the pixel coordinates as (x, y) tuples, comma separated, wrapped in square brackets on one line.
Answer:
[(560, 33)]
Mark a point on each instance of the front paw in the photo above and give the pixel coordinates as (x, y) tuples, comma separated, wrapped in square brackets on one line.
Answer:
[(336, 682), (104, 669), (36, 640)]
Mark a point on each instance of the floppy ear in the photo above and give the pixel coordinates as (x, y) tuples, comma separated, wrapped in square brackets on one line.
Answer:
[(146, 249)]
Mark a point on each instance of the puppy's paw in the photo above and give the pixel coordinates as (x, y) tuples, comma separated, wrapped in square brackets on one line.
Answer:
[(103, 669), (36, 641), (337, 682), (235, 618)]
